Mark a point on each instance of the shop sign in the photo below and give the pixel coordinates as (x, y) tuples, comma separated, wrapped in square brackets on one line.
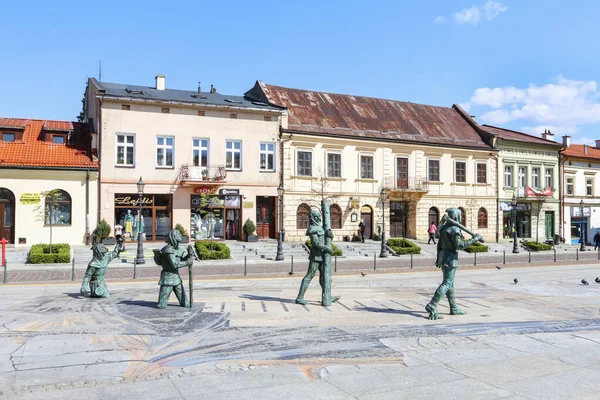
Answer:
[(30, 198), (248, 204), (507, 206), (576, 212), (205, 190), (229, 191), (125, 200)]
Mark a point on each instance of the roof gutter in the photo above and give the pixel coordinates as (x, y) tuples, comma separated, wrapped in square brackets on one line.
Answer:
[(48, 168)]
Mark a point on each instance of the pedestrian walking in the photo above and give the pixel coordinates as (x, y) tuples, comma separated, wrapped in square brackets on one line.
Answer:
[(363, 227), (431, 232), (597, 240)]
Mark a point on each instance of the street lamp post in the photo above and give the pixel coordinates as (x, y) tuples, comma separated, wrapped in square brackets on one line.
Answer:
[(279, 256), (581, 234), (514, 210), (382, 195), (139, 259)]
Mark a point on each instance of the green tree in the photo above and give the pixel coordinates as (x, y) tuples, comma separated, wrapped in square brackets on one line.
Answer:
[(48, 208)]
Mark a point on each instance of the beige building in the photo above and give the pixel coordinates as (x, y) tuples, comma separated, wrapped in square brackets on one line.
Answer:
[(183, 144), (37, 157), (348, 148)]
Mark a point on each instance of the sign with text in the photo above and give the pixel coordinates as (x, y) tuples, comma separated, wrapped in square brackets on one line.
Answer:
[(248, 204), (505, 206), (229, 191), (205, 190), (131, 200), (576, 212), (30, 198)]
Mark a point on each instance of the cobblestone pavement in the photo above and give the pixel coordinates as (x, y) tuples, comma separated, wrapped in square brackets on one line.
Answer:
[(245, 338)]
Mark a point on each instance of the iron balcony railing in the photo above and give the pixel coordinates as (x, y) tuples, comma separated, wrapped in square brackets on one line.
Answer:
[(409, 183), (209, 173)]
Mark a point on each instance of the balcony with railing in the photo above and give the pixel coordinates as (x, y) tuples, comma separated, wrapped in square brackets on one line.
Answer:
[(212, 175), (408, 184)]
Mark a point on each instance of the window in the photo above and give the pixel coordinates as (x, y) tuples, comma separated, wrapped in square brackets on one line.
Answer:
[(589, 187), (481, 173), (570, 186), (334, 165), (336, 217), (482, 220), (164, 151), (302, 216), (304, 163), (200, 152), (522, 176), (233, 115), (535, 177), (508, 177), (267, 156), (8, 137), (201, 113), (434, 170), (460, 171), (366, 167), (125, 107), (165, 110), (58, 139), (463, 216), (57, 206), (267, 118), (233, 154), (549, 178), (125, 149)]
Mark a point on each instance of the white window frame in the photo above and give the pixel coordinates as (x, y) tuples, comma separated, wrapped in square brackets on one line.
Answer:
[(266, 153), (456, 171), (589, 186), (551, 176), (522, 176), (535, 177), (360, 171), (199, 148), (477, 172), (509, 176), (327, 163), (312, 159), (125, 145), (233, 151), (439, 169), (165, 147), (572, 178)]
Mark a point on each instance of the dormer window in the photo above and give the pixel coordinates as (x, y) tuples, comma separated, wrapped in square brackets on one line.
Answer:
[(8, 137), (11, 136), (59, 139)]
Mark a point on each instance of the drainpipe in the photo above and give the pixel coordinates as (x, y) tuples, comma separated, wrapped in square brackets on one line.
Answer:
[(561, 198), (281, 177), (87, 207), (498, 217)]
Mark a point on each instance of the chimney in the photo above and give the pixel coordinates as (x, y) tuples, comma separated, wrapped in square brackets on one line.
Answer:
[(198, 87), (598, 143), (160, 82), (213, 89), (584, 149), (548, 135), (566, 141)]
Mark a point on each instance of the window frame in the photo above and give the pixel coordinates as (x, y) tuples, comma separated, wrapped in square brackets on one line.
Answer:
[(14, 137), (372, 166), (336, 223), (551, 176), (480, 212), (125, 145), (510, 175), (200, 148), (522, 178), (464, 174), (233, 151), (266, 152), (301, 171), (429, 161), (302, 223), (572, 184), (484, 165), (69, 201), (589, 186), (535, 177), (339, 171), (165, 147)]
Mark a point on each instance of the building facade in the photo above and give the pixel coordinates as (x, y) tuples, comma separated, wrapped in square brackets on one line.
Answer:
[(581, 197), (209, 161), (528, 170), (48, 182), (349, 148)]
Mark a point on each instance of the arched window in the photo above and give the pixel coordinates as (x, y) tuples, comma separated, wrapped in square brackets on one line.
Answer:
[(58, 207), (434, 216), (336, 217), (482, 218), (302, 216), (463, 216)]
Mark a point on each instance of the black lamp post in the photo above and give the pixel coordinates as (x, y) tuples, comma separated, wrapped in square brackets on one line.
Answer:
[(382, 196), (581, 234), (279, 256), (514, 209), (140, 247)]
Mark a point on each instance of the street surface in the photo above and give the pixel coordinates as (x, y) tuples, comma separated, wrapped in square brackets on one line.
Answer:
[(245, 338)]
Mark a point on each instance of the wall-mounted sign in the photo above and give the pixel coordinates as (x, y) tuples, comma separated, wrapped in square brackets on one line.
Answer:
[(576, 212), (205, 190), (507, 206), (248, 204), (229, 191), (30, 198), (131, 200)]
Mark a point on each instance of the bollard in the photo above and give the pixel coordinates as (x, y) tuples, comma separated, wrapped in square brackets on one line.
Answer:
[(245, 266), (73, 269), (335, 264), (529, 251), (503, 256), (411, 260), (598, 253), (374, 262), (5, 269), (134, 268), (475, 259), (577, 254), (554, 254), (292, 270)]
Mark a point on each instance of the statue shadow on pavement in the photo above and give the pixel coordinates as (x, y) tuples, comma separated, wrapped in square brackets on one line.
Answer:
[(140, 303), (416, 314), (266, 298), (75, 295)]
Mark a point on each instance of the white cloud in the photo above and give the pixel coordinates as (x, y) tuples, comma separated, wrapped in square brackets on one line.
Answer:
[(475, 14), (440, 20), (585, 140), (562, 105)]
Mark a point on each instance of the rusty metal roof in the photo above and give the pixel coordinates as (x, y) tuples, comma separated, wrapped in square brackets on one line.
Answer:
[(367, 117), (507, 134)]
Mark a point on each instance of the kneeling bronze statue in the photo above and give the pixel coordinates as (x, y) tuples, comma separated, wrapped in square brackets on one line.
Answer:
[(96, 270)]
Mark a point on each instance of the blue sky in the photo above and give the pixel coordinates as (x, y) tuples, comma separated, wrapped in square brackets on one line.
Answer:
[(525, 65)]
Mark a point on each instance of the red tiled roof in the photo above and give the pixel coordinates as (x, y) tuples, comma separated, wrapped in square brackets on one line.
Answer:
[(507, 134), (367, 117), (579, 150), (33, 151)]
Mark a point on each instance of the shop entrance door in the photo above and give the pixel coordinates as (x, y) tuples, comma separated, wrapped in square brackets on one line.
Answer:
[(398, 218), (7, 214), (549, 224), (265, 217), (366, 213)]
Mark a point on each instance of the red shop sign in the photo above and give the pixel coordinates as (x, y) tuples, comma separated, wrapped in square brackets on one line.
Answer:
[(205, 190)]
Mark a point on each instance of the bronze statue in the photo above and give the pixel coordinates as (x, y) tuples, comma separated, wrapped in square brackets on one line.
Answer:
[(94, 275), (171, 258), (320, 255), (450, 242)]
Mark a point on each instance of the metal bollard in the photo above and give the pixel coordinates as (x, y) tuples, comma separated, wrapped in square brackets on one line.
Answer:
[(292, 270), (503, 256), (73, 269), (599, 253), (529, 251), (411, 260), (245, 266), (577, 254), (335, 264), (134, 268), (5, 269), (554, 254)]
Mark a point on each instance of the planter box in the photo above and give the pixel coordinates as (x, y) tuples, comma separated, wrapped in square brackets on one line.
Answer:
[(252, 238), (108, 241)]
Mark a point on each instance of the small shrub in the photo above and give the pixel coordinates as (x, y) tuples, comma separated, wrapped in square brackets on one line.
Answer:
[(347, 238), (356, 238), (40, 253), (181, 229), (537, 246), (102, 230), (336, 250), (403, 246), (376, 237), (212, 250), (249, 227), (477, 248)]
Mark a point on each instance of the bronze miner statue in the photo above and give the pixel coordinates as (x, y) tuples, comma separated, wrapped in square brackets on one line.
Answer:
[(94, 275), (171, 258), (450, 242), (320, 255)]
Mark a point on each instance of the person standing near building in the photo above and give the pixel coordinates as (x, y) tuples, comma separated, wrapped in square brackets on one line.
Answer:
[(597, 240), (363, 227), (431, 232)]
